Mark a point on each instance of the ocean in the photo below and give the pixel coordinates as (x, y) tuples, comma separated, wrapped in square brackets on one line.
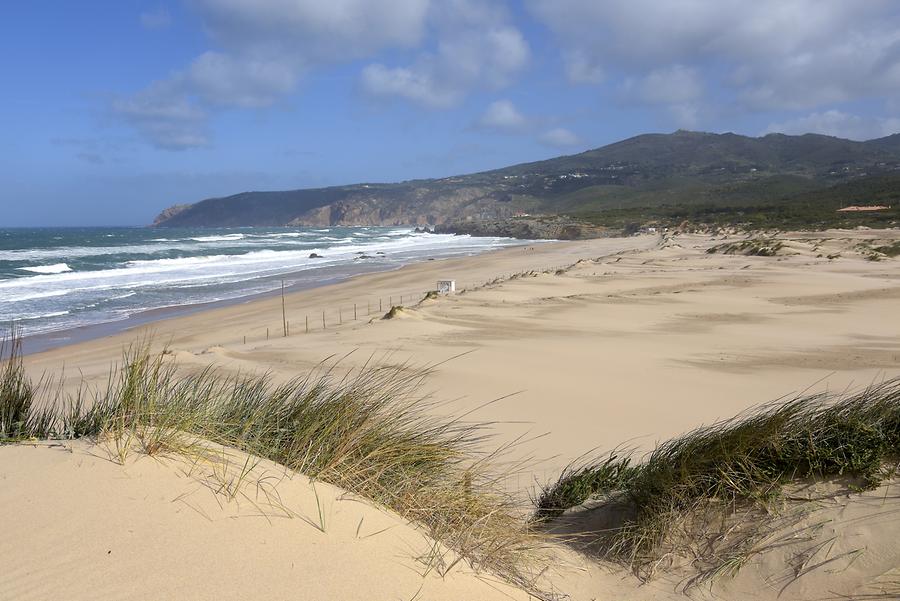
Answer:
[(54, 279)]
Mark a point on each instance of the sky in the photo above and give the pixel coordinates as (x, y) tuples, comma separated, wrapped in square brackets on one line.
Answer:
[(111, 110)]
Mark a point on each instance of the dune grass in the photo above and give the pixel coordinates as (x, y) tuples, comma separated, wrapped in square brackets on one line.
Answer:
[(732, 466), (373, 433), (889, 250), (370, 432), (756, 247), (16, 392)]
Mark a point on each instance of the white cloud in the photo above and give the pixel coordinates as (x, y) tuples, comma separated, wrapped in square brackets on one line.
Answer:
[(263, 49), (475, 48), (485, 58), (685, 115), (678, 88), (559, 137), (671, 85), (583, 68), (173, 113), (221, 79), (416, 84), (502, 115), (318, 31), (166, 118), (790, 54), (840, 124), (157, 19)]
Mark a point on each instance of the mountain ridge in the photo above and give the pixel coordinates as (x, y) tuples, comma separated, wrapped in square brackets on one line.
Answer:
[(653, 169)]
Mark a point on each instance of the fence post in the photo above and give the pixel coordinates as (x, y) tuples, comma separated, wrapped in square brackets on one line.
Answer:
[(283, 314), (323, 320), (307, 324), (354, 311)]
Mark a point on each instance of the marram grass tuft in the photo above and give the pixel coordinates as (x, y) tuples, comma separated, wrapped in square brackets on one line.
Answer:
[(733, 465), (370, 432)]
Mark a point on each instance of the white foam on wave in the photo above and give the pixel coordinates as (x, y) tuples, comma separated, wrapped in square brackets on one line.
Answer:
[(157, 245), (222, 238), (224, 268), (215, 274), (21, 296), (69, 252), (31, 316), (47, 269), (281, 235)]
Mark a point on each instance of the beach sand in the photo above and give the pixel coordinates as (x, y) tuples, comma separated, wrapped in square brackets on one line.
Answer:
[(89, 528), (635, 342), (592, 344)]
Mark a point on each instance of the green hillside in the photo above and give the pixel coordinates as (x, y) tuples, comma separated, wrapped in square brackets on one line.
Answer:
[(765, 206), (648, 176)]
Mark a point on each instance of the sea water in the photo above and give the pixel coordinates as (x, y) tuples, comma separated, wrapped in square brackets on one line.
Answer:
[(54, 279)]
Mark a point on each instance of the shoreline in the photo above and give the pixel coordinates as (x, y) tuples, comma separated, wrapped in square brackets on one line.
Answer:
[(589, 343), (56, 339), (475, 269), (564, 353)]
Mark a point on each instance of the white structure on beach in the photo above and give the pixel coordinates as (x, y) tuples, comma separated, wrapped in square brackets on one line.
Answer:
[(446, 286)]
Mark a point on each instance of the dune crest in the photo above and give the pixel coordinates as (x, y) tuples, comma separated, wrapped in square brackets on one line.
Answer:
[(85, 527)]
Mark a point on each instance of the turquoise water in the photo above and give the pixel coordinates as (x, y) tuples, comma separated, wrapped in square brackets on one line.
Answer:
[(54, 279)]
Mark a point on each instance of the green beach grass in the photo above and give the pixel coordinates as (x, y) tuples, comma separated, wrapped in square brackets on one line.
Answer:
[(729, 468), (373, 433), (370, 432)]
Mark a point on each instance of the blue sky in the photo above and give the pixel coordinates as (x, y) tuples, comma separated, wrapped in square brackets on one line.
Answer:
[(113, 110)]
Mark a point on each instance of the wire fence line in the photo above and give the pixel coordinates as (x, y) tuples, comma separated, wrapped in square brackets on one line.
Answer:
[(369, 307)]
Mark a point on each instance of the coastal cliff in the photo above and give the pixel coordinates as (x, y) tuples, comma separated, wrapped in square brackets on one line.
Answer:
[(170, 213), (670, 171)]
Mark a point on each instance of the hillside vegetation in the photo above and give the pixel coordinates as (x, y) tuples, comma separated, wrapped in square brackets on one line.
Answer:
[(683, 175)]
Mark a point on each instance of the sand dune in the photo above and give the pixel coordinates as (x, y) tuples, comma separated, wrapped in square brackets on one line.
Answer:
[(78, 525), (599, 343)]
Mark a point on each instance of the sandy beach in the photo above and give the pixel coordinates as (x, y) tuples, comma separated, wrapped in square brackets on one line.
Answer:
[(581, 345), (646, 340), (411, 300)]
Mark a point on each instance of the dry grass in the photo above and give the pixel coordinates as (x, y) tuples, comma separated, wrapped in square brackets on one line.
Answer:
[(756, 247), (720, 478), (370, 432)]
